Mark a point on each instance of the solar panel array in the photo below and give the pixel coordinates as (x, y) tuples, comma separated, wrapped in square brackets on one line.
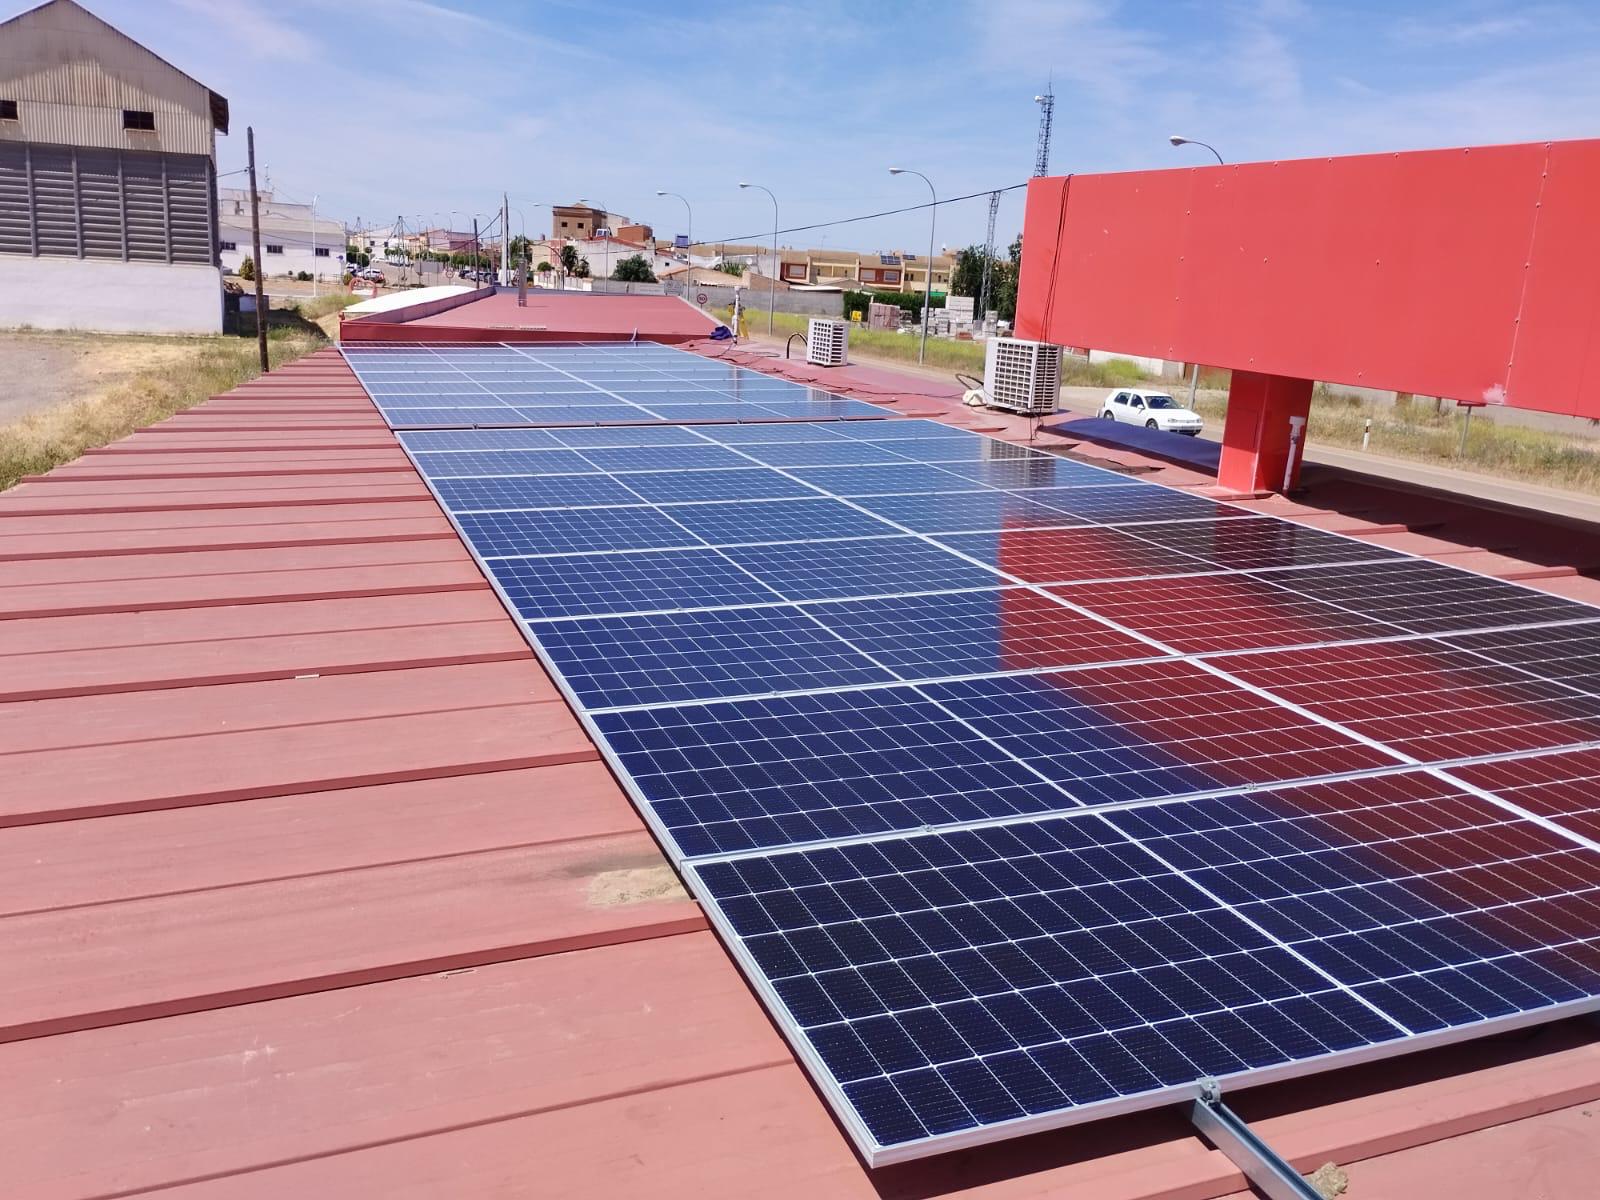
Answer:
[(1025, 792), (463, 387)]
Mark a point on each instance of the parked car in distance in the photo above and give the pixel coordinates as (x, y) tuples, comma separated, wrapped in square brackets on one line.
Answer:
[(1153, 410), (372, 273)]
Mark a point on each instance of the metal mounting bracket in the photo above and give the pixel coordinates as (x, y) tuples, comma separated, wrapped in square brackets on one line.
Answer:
[(1273, 1177)]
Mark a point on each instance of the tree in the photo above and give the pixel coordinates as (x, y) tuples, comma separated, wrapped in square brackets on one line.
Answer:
[(582, 269), (569, 259), (634, 269), (730, 268), (521, 248), (247, 269), (1004, 282), (966, 278), (544, 267)]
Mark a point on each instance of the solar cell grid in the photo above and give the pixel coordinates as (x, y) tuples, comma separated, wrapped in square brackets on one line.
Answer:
[(448, 418), (542, 461), (869, 567), (1425, 699), (1441, 909), (975, 633), (572, 531), (675, 657), (953, 981), (748, 774), (885, 481), (1564, 788), (1260, 542), (956, 512), (747, 483), (1198, 614), (627, 435), (658, 458), (1122, 505), (1066, 555), (1145, 730), (1043, 471), (478, 439), (546, 491), (775, 521), (772, 433), (836, 453), (1429, 597), (1568, 654), (627, 582)]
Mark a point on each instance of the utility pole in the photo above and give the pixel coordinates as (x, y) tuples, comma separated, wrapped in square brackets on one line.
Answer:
[(505, 239), (255, 249)]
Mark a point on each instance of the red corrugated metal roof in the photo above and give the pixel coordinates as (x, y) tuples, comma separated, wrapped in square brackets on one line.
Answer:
[(313, 885)]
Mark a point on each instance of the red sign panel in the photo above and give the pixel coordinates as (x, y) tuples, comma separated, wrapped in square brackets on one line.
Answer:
[(1469, 273)]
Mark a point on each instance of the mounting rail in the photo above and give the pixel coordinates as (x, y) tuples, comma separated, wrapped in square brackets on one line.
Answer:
[(1272, 1176)]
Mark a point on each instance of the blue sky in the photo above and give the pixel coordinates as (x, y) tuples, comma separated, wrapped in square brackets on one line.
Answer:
[(423, 108)]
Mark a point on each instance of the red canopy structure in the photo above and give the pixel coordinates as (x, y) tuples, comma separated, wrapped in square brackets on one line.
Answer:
[(1465, 273)]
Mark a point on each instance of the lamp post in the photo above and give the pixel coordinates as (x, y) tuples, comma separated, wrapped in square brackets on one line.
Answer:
[(1180, 140), (689, 234), (927, 294), (772, 286)]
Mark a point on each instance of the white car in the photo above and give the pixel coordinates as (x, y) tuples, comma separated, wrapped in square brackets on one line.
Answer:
[(1153, 410)]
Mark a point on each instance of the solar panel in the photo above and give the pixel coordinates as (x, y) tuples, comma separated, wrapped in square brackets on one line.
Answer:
[(1139, 731), (1425, 699), (1027, 792), (751, 774), (672, 657), (653, 581), (572, 531), (984, 632), (875, 566), (955, 512)]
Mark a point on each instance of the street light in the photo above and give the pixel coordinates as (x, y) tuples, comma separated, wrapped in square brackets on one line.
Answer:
[(688, 277), (927, 295), (1179, 140), (772, 287)]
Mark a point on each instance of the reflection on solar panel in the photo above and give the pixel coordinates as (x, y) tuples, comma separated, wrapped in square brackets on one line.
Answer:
[(1027, 792)]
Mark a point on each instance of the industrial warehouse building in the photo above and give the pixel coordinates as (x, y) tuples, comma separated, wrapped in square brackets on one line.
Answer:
[(108, 214)]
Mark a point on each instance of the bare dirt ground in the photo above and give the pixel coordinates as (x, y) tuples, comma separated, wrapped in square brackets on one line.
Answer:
[(38, 370)]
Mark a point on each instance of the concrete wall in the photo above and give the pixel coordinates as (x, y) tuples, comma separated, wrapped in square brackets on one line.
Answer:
[(810, 304), (108, 296), (1159, 367)]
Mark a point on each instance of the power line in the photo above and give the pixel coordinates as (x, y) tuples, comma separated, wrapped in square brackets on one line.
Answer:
[(891, 212)]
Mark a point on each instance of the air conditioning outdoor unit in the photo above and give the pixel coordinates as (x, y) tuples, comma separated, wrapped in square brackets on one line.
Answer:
[(827, 342), (1022, 377)]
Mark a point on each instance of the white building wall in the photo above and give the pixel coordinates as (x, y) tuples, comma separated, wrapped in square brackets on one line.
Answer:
[(298, 250), (107, 296)]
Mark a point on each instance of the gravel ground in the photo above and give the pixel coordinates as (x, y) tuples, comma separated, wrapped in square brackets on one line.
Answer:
[(42, 369)]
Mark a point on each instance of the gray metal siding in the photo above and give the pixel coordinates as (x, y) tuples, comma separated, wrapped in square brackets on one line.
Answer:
[(82, 202)]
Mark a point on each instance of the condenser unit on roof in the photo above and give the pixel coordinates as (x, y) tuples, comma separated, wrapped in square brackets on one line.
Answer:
[(827, 342), (1021, 376)]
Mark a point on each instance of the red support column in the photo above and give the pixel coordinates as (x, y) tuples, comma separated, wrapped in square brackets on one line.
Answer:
[(1264, 437)]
